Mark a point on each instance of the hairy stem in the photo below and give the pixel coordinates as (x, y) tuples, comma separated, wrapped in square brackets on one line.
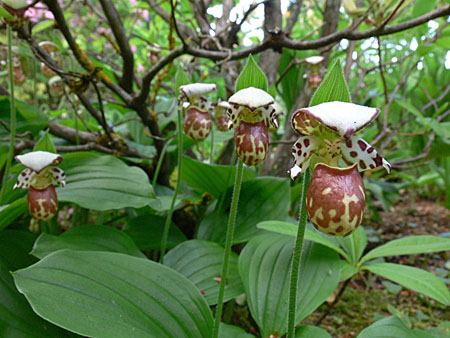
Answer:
[(297, 256), (13, 117), (228, 242), (177, 186)]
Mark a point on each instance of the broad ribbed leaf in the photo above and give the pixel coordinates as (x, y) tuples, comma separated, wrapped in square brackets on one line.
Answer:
[(17, 319), (45, 144), (105, 294), (87, 238), (231, 331), (263, 198), (409, 246), (310, 331), (10, 212), (251, 76), (28, 118), (264, 265), (214, 179), (354, 245), (201, 262), (413, 278), (147, 230), (347, 271), (333, 87), (290, 229), (103, 182), (392, 327)]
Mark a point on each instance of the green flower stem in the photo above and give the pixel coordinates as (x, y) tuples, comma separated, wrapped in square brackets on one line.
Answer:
[(212, 145), (160, 161), (13, 118), (228, 242), (297, 255), (177, 187)]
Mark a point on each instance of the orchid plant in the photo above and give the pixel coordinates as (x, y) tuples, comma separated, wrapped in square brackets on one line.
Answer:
[(251, 113), (328, 136), (39, 176), (197, 121), (314, 63)]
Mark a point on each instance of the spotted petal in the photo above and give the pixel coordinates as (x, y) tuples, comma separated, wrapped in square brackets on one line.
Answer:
[(356, 150), (24, 179), (302, 151), (38, 160), (58, 176)]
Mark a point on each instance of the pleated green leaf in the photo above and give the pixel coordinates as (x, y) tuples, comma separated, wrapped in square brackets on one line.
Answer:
[(409, 246), (392, 327), (214, 179), (251, 76), (103, 182), (147, 231), (310, 331), (17, 319), (413, 278), (231, 331), (333, 87), (10, 212), (45, 144), (290, 229), (105, 294), (264, 265), (261, 199), (201, 262), (87, 238)]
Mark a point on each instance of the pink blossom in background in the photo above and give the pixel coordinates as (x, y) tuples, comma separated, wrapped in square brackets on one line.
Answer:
[(140, 68), (133, 48), (145, 15), (35, 14)]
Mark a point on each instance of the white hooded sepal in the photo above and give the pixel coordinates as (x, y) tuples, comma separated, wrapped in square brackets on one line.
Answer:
[(356, 150), (343, 117), (197, 89), (39, 160), (251, 98)]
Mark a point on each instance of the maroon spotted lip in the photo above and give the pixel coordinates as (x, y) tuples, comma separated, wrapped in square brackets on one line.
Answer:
[(197, 124), (251, 141), (42, 203), (335, 199)]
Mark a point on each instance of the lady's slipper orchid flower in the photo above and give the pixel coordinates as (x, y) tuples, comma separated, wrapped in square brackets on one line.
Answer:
[(53, 50), (251, 113), (315, 78), (220, 116), (197, 121), (39, 176), (336, 197)]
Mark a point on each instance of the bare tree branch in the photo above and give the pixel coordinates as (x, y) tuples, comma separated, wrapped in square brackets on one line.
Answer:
[(118, 30)]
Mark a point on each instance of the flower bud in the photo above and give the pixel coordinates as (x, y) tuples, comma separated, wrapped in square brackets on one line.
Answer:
[(42, 203), (251, 141), (335, 199)]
